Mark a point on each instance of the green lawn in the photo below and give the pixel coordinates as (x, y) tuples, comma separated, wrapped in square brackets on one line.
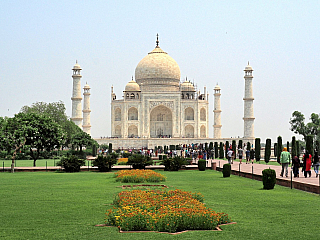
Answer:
[(47, 205), (29, 163)]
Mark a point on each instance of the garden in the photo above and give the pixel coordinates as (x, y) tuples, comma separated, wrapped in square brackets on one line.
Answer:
[(48, 205)]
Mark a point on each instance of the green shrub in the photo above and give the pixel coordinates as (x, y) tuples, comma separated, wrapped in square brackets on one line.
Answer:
[(126, 154), (173, 164), (293, 147), (257, 149), (160, 157), (279, 148), (94, 150), (221, 152), (267, 153), (202, 165), (226, 170), (139, 161), (248, 146), (226, 148), (240, 144), (309, 144), (71, 164), (104, 163), (268, 178), (216, 152)]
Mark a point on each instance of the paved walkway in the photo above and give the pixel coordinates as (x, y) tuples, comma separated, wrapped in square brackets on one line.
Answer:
[(256, 169)]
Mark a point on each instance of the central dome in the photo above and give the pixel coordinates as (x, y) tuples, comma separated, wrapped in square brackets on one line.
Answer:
[(158, 71)]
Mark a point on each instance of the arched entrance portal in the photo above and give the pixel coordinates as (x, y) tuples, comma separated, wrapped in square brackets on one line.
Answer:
[(160, 122)]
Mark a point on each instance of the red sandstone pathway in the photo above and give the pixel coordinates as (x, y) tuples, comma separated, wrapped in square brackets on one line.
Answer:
[(258, 168)]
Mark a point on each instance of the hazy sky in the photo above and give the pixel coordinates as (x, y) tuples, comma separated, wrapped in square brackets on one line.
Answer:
[(212, 41)]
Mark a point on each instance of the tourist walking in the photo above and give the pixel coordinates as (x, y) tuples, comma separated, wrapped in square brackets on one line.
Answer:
[(240, 154), (307, 164), (229, 155), (284, 160), (247, 156), (296, 166), (316, 163)]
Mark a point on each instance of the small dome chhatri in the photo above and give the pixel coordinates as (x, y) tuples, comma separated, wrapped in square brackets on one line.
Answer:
[(248, 67), (132, 86), (76, 66), (217, 87), (86, 86), (187, 86)]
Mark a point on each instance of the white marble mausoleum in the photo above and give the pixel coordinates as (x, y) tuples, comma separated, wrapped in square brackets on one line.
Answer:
[(156, 104)]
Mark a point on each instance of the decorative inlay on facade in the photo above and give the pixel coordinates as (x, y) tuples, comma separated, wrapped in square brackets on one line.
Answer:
[(153, 104)]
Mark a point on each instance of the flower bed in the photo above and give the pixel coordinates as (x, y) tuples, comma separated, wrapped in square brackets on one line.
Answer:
[(163, 211), (139, 176), (122, 161)]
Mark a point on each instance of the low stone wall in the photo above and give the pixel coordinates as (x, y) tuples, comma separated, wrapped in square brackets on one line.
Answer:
[(283, 182)]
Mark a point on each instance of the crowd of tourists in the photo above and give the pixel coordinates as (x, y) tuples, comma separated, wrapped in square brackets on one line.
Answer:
[(198, 151)]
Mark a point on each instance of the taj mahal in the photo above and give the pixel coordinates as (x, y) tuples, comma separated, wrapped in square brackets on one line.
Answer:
[(158, 108)]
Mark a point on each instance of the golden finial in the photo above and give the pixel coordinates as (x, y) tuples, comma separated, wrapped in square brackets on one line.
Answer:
[(157, 42)]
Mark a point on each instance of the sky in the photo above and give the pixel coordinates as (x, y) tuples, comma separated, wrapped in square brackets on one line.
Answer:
[(212, 42)]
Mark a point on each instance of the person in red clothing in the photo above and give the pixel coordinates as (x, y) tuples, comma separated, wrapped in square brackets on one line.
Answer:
[(307, 164)]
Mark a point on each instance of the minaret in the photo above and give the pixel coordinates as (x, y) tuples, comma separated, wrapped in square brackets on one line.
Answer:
[(248, 117), (76, 95), (217, 112), (86, 109)]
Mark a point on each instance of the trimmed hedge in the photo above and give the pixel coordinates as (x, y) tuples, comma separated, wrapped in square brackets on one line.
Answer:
[(71, 164), (268, 178), (226, 170), (202, 165)]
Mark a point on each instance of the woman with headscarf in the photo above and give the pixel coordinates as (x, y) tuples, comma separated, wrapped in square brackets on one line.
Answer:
[(307, 164)]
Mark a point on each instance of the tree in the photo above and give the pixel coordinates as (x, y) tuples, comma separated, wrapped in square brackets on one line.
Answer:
[(240, 143), (210, 145), (37, 131), (317, 146), (293, 147), (275, 149), (55, 111), (221, 151), (309, 144), (81, 139), (216, 152), (226, 148), (288, 146), (298, 125), (45, 135), (267, 151), (257, 149), (234, 147), (279, 148), (248, 146)]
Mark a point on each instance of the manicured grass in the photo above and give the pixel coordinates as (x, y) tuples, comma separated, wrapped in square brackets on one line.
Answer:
[(29, 163), (46, 205)]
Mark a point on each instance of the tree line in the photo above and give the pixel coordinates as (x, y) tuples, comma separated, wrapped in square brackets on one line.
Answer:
[(38, 128)]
